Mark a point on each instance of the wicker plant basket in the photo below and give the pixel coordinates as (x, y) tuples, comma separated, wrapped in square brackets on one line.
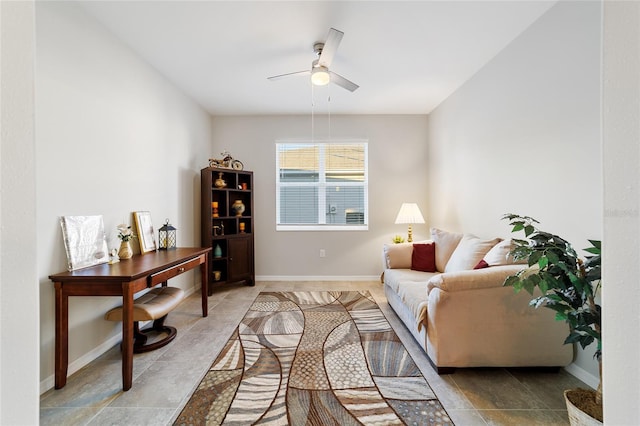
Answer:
[(577, 417)]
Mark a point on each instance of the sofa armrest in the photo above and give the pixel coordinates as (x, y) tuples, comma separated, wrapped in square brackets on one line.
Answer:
[(398, 256), (474, 279)]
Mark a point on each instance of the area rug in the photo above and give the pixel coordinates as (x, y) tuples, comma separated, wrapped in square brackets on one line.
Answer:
[(314, 358)]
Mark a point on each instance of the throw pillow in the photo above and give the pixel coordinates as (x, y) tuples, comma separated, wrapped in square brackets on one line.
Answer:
[(469, 252), (481, 265), (499, 254), (423, 257), (446, 243)]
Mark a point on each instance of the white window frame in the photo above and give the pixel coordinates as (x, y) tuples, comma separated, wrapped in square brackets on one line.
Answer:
[(322, 186)]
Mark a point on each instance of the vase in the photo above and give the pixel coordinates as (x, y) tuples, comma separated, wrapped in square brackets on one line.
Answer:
[(237, 207), (125, 251), (219, 183), (217, 252)]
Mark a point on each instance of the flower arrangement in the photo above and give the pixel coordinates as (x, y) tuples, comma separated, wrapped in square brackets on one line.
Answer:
[(125, 233)]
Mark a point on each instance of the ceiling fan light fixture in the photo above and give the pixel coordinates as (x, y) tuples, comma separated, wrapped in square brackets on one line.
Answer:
[(320, 76)]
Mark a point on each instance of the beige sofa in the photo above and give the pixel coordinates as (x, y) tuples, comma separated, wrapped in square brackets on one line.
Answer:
[(464, 317)]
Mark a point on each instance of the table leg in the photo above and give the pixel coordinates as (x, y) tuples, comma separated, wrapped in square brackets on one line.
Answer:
[(62, 336), (204, 272), (127, 336)]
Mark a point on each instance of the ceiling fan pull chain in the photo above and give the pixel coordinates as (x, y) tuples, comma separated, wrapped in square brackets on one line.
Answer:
[(312, 115), (329, 109)]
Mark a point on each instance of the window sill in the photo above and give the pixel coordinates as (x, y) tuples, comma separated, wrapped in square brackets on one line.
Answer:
[(322, 227)]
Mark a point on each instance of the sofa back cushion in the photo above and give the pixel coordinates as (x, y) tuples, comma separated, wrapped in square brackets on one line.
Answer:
[(499, 254), (446, 242), (423, 257), (469, 252)]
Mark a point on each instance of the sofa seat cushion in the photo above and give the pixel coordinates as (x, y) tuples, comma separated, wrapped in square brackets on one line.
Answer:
[(393, 277)]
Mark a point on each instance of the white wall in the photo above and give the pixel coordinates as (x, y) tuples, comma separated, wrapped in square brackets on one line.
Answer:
[(397, 172), (18, 280), (523, 136), (113, 137), (621, 250)]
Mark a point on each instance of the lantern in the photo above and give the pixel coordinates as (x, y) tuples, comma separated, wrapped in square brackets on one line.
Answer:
[(167, 237)]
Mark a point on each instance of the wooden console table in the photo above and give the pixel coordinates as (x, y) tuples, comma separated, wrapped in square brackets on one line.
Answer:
[(124, 278)]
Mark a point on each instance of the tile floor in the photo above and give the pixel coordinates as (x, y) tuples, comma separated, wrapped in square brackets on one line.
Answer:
[(164, 379)]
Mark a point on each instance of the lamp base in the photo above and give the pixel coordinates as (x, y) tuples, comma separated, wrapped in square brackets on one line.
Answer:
[(410, 235)]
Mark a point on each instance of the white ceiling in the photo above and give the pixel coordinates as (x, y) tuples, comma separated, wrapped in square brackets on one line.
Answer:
[(407, 57)]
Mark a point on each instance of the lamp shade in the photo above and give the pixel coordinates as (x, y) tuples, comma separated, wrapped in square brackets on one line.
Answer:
[(409, 213)]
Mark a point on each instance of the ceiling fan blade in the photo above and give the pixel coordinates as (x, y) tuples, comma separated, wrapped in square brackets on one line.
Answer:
[(343, 82), (330, 46), (278, 77)]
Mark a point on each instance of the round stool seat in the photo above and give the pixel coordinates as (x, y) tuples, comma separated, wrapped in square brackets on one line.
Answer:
[(154, 305)]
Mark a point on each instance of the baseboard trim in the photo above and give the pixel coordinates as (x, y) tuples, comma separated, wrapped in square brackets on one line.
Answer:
[(85, 359), (583, 375), (49, 382), (318, 278)]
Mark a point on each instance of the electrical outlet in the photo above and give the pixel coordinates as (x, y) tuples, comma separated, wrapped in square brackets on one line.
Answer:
[(322, 253)]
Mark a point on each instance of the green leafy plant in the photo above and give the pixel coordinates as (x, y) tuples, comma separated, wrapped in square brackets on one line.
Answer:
[(568, 283), (397, 239)]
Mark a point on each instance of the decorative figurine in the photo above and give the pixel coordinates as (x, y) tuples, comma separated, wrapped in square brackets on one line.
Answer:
[(220, 183), (113, 256), (227, 162)]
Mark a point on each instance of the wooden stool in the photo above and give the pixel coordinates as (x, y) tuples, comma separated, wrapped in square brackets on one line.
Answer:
[(154, 305)]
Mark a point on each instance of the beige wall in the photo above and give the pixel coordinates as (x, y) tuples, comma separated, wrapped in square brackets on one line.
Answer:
[(523, 136), (113, 136), (19, 343), (621, 247), (397, 174)]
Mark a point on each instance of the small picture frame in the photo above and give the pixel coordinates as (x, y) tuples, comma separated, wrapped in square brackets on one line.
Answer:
[(146, 235)]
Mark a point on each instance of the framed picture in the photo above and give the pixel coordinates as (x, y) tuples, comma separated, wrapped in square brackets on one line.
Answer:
[(146, 236), (84, 241)]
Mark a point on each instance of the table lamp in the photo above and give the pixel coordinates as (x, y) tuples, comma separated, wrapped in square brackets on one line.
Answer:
[(409, 213)]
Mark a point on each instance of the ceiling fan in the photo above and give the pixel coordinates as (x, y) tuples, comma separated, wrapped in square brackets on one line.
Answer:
[(320, 74)]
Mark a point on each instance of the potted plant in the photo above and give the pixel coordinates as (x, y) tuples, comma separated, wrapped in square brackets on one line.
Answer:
[(569, 285), (397, 239)]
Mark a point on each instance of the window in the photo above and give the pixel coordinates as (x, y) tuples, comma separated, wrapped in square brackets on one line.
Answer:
[(321, 186)]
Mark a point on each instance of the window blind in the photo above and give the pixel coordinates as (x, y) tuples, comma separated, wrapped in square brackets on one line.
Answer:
[(321, 186)]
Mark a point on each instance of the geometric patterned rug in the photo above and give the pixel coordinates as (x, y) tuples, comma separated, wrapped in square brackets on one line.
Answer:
[(314, 358)]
